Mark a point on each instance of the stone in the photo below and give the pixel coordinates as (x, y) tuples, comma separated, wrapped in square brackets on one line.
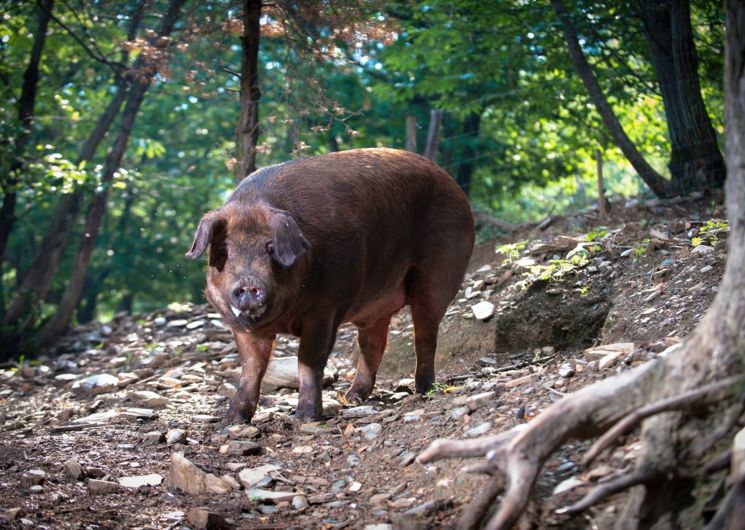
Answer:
[(459, 412), (205, 418), (148, 399), (566, 370), (241, 448), (96, 384), (187, 477), (314, 427), (178, 323), (175, 436), (299, 502), (141, 480), (302, 450), (139, 413), (195, 324), (282, 373), (73, 469), (358, 412), (406, 458), (483, 310), (250, 477), (479, 429), (36, 489), (706, 269), (203, 519), (702, 250), (272, 497), (99, 487), (370, 431), (33, 477), (159, 322), (567, 485), (154, 437), (242, 431)]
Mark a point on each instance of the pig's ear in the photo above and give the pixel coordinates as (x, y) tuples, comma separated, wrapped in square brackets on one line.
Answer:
[(288, 241), (203, 235)]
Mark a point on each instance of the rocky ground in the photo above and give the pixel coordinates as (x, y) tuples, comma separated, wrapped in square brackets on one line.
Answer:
[(123, 429)]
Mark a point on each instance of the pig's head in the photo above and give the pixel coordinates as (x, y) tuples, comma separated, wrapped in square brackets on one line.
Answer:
[(253, 254)]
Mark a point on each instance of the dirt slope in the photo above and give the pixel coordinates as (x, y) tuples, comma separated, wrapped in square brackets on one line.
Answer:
[(130, 398)]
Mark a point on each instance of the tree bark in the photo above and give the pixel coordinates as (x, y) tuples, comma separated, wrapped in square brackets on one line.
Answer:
[(695, 161), (652, 178), (38, 278), (26, 104), (70, 298), (471, 127), (433, 134), (411, 133), (248, 127)]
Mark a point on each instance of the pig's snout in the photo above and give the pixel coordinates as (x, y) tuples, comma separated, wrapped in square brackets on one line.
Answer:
[(248, 294)]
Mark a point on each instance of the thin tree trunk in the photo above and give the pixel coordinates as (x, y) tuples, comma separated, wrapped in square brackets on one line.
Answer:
[(26, 105), (433, 134), (39, 277), (695, 160), (70, 298), (411, 133), (248, 127), (471, 127), (652, 178)]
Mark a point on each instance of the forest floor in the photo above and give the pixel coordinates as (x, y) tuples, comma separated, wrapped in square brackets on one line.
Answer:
[(124, 430)]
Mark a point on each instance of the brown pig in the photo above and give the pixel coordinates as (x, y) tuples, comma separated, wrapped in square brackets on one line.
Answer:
[(354, 236)]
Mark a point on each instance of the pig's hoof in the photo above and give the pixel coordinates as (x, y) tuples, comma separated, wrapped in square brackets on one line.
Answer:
[(424, 386), (355, 395), (236, 416), (308, 414)]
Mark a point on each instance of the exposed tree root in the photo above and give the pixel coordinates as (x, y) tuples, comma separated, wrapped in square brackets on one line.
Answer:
[(693, 398), (613, 406), (611, 487)]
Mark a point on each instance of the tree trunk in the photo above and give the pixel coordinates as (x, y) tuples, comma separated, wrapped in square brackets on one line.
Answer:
[(26, 105), (689, 402), (652, 178), (248, 128), (411, 134), (38, 278), (433, 134), (696, 163), (471, 127), (70, 298)]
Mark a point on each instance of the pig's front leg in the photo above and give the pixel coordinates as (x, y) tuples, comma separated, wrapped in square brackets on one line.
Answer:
[(255, 353), (316, 342)]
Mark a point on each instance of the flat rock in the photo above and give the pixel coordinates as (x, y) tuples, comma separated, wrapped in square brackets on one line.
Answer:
[(241, 448), (479, 429), (135, 482), (250, 477), (483, 310), (187, 477), (370, 431), (96, 487), (282, 373), (702, 249), (148, 399), (175, 436), (96, 384), (203, 519), (269, 496), (73, 469), (359, 412)]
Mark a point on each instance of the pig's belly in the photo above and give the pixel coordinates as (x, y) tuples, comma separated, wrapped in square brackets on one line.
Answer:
[(370, 311)]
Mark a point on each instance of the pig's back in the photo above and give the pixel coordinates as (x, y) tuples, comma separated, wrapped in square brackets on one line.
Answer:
[(371, 215)]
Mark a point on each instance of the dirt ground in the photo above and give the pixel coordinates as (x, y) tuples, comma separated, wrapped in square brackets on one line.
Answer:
[(121, 428)]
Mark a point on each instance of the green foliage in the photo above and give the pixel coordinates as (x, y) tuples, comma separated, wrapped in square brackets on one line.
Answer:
[(530, 154), (710, 233), (511, 251)]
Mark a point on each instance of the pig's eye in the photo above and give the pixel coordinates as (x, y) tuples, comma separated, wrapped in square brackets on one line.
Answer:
[(270, 248), (227, 250)]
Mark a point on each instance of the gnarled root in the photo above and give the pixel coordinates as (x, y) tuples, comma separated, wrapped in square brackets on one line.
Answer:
[(613, 406)]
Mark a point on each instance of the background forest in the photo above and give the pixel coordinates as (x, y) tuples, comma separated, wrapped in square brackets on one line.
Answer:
[(119, 120)]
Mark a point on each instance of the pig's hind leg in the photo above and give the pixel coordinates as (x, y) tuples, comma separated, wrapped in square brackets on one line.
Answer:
[(429, 292), (372, 341)]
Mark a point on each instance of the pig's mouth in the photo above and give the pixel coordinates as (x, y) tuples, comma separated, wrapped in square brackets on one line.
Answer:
[(252, 315)]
